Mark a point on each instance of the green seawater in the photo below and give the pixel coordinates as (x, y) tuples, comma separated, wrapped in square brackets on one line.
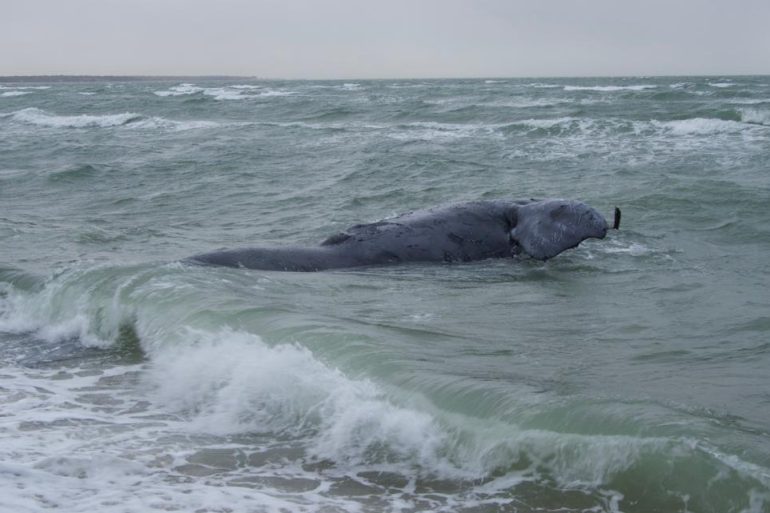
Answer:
[(631, 374)]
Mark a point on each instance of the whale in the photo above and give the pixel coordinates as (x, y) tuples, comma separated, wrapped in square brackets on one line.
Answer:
[(460, 232)]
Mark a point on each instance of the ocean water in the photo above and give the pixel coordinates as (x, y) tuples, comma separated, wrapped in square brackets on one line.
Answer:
[(630, 374)]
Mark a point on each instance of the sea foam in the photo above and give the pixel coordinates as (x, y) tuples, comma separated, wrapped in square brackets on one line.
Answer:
[(756, 116), (180, 90), (611, 88), (233, 92), (722, 85), (40, 117), (25, 87), (700, 126), (234, 382)]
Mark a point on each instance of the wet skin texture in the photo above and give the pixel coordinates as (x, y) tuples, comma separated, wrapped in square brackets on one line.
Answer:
[(460, 232)]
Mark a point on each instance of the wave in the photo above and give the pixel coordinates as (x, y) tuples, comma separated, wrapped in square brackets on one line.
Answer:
[(565, 126), (214, 380), (568, 125), (25, 87), (180, 90), (35, 116), (158, 122), (234, 92), (38, 117), (610, 88), (272, 92), (434, 131), (8, 94), (700, 126), (224, 93), (525, 103), (755, 116), (722, 85)]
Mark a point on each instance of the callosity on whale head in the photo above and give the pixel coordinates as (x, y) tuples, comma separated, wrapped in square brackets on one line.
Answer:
[(545, 228)]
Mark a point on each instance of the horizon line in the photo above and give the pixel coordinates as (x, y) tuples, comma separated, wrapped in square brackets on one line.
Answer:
[(67, 76)]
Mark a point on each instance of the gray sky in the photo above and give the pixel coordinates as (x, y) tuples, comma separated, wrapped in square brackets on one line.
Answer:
[(385, 39)]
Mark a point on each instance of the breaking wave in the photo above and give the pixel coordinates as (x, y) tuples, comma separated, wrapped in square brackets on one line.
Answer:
[(35, 116), (610, 88), (756, 116), (700, 126), (39, 117), (234, 92), (201, 384)]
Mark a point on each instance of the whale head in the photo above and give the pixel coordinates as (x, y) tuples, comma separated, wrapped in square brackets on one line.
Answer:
[(545, 228)]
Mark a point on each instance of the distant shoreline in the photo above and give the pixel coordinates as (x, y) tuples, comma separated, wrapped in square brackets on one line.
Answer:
[(151, 78), (122, 78)]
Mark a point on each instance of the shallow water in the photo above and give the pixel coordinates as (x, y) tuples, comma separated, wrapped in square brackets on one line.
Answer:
[(629, 374)]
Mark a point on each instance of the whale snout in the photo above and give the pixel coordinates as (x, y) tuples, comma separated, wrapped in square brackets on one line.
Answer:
[(548, 227), (594, 224), (578, 217)]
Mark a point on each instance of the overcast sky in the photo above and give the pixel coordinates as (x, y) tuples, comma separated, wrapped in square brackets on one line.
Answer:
[(385, 39)]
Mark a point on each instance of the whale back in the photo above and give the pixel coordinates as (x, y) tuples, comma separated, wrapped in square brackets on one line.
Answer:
[(454, 233), (543, 229)]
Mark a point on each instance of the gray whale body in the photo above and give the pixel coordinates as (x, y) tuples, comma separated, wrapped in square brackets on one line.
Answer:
[(460, 232)]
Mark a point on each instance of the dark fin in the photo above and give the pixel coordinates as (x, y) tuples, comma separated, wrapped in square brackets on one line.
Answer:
[(546, 228), (337, 238), (616, 224)]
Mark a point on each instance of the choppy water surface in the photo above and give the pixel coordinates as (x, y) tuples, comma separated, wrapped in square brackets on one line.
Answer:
[(630, 374)]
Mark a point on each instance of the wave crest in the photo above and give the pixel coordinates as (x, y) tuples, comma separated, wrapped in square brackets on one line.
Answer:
[(39, 117), (755, 116), (231, 92), (35, 116), (610, 88)]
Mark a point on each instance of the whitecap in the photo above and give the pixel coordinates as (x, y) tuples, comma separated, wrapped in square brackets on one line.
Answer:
[(257, 388), (434, 131), (8, 94), (610, 88), (749, 101), (223, 93), (40, 117), (524, 103), (755, 116), (273, 92), (565, 122), (25, 87), (158, 122), (722, 85), (180, 90), (233, 92), (700, 126)]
